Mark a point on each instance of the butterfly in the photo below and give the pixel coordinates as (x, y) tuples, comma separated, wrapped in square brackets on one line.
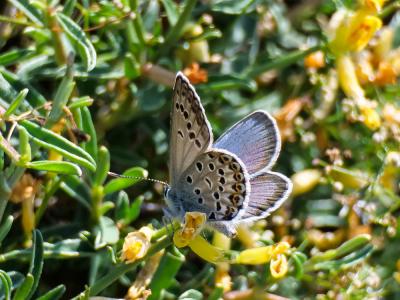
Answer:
[(229, 180)]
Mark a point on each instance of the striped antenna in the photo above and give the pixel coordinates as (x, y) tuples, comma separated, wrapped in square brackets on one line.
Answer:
[(112, 174)]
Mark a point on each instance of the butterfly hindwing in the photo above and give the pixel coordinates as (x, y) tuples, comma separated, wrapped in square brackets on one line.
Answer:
[(217, 184), (268, 191), (191, 132), (255, 140)]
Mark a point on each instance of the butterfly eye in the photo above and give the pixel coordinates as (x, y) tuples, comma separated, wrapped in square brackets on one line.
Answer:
[(166, 189)]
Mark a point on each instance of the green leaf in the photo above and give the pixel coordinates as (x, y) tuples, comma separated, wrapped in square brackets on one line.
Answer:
[(169, 266), (225, 82), (88, 127), (7, 92), (33, 97), (279, 62), (29, 10), (132, 67), (74, 187), (36, 265), (79, 40), (61, 98), (69, 7), (103, 166), (124, 212), (80, 102), (106, 233), (191, 295), (24, 289), (6, 284), (5, 227), (15, 104), (216, 294), (122, 183), (176, 31), (233, 7), (14, 56), (171, 10), (53, 294), (50, 140), (298, 264), (24, 146), (59, 167)]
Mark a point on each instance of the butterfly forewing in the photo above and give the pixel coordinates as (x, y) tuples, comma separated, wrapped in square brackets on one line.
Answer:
[(190, 131), (217, 184)]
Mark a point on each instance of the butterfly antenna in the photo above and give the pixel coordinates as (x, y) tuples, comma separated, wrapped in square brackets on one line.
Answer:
[(112, 174)]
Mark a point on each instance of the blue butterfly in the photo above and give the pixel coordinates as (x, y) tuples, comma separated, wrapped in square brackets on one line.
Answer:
[(230, 180)]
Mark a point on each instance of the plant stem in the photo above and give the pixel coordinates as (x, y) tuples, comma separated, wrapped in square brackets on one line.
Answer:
[(281, 62), (122, 268), (176, 31)]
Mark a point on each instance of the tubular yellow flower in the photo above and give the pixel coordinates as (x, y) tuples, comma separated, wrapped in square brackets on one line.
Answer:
[(305, 180), (373, 6), (206, 251), (136, 244), (222, 277), (279, 266), (354, 32), (371, 118), (24, 192), (194, 222), (246, 236), (261, 255), (138, 288), (348, 78)]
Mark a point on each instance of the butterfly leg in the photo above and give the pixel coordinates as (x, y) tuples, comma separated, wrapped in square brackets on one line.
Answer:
[(224, 227), (167, 220)]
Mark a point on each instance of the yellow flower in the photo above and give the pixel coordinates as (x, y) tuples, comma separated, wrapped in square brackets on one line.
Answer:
[(348, 77), (305, 180), (222, 277), (136, 244), (371, 118), (374, 6), (261, 255), (354, 32), (24, 192), (138, 290), (194, 222), (208, 252), (279, 266)]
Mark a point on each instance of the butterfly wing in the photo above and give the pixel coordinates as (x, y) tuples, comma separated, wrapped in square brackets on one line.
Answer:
[(268, 191), (217, 184), (255, 140), (191, 132)]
